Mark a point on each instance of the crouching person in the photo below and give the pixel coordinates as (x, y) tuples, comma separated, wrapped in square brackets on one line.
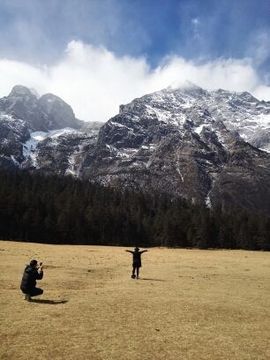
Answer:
[(31, 274)]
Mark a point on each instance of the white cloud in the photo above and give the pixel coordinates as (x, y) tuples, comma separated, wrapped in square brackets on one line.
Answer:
[(95, 81)]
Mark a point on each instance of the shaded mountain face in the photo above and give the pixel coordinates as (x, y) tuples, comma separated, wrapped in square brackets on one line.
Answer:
[(58, 152), (42, 133), (48, 112), (190, 143), (210, 147)]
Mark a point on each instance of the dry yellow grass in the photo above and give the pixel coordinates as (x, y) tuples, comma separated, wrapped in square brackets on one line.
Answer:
[(188, 304)]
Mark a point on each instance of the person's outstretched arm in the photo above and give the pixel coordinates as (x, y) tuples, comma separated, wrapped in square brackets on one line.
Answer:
[(129, 251), (143, 251)]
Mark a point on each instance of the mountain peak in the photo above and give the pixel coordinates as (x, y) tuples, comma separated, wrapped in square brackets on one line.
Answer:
[(22, 91), (185, 87), (48, 112)]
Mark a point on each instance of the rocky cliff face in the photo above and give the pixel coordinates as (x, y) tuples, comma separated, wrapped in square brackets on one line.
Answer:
[(42, 133), (48, 112), (187, 142), (209, 147), (58, 152), (13, 133)]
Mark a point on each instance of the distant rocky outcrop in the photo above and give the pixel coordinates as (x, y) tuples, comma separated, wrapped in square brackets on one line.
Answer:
[(42, 133), (44, 113)]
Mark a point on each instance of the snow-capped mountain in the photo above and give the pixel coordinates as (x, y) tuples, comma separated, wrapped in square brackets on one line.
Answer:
[(189, 142), (42, 133), (208, 146), (57, 151), (44, 113)]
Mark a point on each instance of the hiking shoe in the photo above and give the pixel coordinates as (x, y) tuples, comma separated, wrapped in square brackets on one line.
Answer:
[(133, 276), (27, 297)]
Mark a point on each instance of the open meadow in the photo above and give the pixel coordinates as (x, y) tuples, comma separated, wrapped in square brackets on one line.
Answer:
[(188, 304)]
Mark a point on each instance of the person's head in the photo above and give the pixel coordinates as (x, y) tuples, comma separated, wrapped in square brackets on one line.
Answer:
[(33, 263), (136, 249)]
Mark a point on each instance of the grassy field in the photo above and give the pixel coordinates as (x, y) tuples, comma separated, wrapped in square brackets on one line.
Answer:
[(188, 304)]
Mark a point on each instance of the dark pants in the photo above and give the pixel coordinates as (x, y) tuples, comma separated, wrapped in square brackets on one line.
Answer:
[(135, 269), (33, 292)]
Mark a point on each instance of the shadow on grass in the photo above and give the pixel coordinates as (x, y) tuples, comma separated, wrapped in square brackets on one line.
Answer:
[(51, 302), (149, 279)]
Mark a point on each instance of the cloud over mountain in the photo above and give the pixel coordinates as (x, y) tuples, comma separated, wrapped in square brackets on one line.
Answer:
[(95, 81)]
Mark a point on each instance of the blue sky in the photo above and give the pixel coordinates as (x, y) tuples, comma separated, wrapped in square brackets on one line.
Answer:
[(39, 35)]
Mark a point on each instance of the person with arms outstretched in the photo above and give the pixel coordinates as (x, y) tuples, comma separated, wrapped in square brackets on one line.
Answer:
[(31, 274), (137, 263)]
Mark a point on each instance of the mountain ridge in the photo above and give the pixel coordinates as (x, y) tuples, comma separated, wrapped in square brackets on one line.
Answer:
[(201, 145)]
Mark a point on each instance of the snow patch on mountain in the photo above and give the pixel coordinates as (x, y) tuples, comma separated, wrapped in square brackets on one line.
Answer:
[(30, 147), (12, 123), (199, 129), (264, 120), (14, 160), (75, 162)]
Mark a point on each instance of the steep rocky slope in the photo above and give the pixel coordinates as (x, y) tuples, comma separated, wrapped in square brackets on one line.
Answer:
[(42, 133), (207, 146), (188, 142)]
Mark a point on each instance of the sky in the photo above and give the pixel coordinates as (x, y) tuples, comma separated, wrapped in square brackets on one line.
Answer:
[(98, 54)]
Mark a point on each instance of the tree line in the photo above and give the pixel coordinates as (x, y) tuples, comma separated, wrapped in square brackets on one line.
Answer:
[(64, 210)]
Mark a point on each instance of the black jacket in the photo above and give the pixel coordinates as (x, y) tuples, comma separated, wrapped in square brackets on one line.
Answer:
[(136, 257), (29, 278)]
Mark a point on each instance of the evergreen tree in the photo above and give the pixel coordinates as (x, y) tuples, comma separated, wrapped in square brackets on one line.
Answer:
[(66, 210)]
